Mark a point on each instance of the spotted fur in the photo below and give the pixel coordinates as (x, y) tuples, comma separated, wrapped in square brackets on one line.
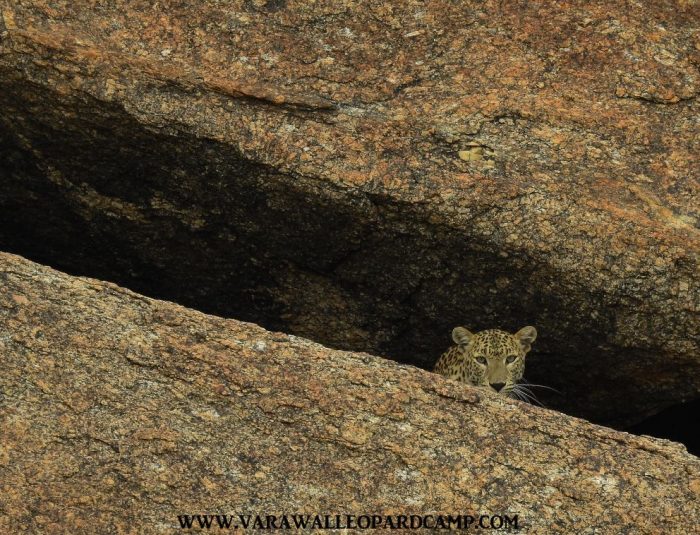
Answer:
[(493, 358)]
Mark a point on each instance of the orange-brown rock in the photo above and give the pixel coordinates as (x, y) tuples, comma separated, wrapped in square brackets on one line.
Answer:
[(120, 413), (371, 174)]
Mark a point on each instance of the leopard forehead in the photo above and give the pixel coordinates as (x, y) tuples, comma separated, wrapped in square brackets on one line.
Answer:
[(494, 343)]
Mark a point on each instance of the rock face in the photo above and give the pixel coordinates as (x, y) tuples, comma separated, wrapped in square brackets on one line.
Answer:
[(370, 176), (120, 412)]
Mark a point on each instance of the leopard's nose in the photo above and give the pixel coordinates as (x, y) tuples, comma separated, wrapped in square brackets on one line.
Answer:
[(497, 386)]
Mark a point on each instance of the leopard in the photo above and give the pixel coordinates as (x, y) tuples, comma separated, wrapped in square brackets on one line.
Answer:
[(492, 359)]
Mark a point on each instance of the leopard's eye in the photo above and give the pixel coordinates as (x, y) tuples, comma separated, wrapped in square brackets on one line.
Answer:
[(481, 360), (510, 359)]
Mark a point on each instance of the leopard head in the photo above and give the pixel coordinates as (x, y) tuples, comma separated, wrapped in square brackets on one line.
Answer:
[(493, 358)]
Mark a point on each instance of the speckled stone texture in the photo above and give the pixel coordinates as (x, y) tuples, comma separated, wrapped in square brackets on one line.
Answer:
[(120, 412), (371, 174)]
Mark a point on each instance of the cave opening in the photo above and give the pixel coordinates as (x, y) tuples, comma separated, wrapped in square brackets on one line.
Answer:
[(89, 190)]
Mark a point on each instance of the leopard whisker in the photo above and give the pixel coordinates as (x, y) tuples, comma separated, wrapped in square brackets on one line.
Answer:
[(529, 384), (535, 401), (527, 394), (517, 395), (529, 400)]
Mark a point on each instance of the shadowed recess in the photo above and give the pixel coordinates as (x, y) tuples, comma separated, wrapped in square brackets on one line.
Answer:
[(89, 190)]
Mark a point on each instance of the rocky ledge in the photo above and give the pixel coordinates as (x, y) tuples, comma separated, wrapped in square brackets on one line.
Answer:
[(121, 412)]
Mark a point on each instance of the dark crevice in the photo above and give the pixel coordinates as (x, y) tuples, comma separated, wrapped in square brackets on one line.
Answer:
[(679, 423), (87, 189)]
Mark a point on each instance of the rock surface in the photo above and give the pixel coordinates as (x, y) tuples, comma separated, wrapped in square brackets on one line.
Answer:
[(369, 175), (121, 412)]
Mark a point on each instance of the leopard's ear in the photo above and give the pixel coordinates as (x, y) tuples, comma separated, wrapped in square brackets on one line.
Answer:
[(461, 336), (526, 336)]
